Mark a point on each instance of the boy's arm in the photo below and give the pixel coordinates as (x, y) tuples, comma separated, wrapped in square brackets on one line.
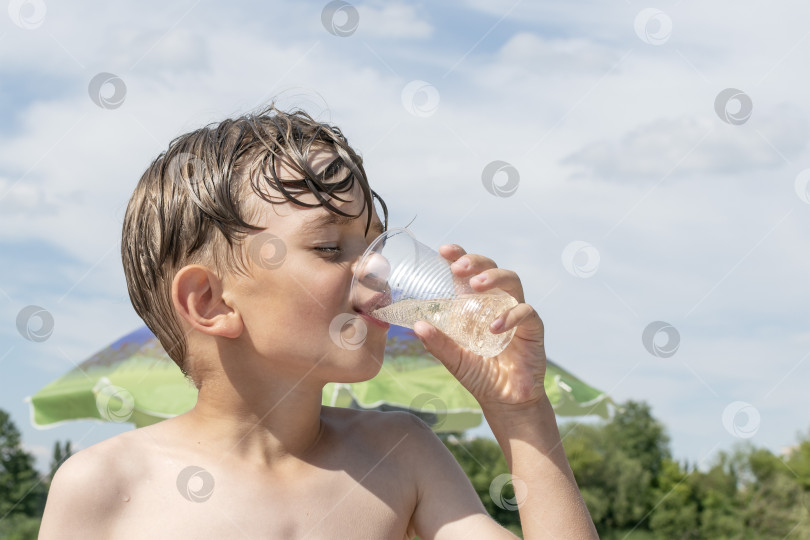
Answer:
[(551, 505), (510, 389), (81, 499)]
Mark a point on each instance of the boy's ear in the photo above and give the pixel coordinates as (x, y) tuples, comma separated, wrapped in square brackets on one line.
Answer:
[(197, 297)]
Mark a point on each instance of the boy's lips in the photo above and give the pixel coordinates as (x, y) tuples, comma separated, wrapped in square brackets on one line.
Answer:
[(376, 301), (374, 321)]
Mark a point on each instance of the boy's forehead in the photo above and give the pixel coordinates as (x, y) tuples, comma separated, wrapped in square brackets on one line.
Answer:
[(294, 217), (326, 219)]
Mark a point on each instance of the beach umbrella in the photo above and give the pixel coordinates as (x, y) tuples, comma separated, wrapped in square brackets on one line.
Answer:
[(134, 380)]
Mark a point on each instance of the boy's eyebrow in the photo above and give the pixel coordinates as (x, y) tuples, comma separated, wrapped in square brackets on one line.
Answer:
[(335, 219)]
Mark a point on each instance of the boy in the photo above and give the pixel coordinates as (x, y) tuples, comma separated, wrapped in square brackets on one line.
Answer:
[(239, 244)]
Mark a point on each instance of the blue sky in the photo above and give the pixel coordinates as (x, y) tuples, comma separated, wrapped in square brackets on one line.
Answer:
[(607, 111)]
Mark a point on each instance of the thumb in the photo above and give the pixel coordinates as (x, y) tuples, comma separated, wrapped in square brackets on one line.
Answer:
[(437, 343)]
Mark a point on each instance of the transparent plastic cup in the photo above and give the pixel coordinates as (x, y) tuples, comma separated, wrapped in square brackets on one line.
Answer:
[(400, 280)]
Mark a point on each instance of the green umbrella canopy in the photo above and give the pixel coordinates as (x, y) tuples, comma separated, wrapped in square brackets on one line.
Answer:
[(134, 380)]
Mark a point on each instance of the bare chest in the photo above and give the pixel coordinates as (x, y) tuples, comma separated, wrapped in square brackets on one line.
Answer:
[(197, 502)]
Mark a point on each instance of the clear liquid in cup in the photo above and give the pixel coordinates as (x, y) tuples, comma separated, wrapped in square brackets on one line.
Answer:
[(465, 319)]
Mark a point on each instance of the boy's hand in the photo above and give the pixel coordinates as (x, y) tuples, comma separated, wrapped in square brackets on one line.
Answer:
[(512, 379), (512, 382)]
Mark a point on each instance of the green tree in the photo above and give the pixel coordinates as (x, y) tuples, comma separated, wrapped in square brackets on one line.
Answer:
[(774, 501), (19, 527), (614, 485), (798, 461), (675, 514), (717, 495), (22, 492), (60, 454), (616, 466), (640, 436)]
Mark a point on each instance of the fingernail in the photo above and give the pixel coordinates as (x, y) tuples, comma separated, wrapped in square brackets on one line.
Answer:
[(496, 325), (421, 329), (462, 264), (482, 278)]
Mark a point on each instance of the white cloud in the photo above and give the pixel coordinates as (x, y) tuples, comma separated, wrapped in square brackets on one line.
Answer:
[(23, 198), (690, 144), (392, 20), (536, 52), (179, 50)]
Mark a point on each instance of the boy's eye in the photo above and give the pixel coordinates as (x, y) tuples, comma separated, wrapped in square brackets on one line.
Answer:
[(329, 249)]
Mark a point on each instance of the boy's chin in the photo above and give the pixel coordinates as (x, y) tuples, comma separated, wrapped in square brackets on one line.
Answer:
[(358, 373)]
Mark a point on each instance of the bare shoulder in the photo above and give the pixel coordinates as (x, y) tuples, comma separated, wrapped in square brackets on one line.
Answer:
[(102, 466), (444, 503), (383, 430), (88, 488), (398, 442)]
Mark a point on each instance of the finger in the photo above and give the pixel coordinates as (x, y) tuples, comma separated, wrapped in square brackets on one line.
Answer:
[(471, 264), (451, 252), (523, 317), (499, 278), (437, 343)]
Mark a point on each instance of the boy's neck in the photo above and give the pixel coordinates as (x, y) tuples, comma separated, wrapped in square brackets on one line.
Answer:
[(281, 421)]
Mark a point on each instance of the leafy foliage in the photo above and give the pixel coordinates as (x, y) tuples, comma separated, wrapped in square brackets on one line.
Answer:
[(636, 491), (60, 454), (22, 491)]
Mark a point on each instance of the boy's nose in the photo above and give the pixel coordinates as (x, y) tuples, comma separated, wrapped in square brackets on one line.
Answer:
[(373, 271), (370, 284)]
